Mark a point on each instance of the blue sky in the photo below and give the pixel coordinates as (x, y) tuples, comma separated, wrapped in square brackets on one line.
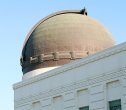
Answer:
[(17, 17)]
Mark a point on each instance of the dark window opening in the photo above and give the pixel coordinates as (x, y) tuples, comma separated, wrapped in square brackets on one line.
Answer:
[(115, 105), (84, 108)]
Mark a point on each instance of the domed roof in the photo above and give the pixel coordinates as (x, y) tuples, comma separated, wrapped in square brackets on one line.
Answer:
[(62, 37)]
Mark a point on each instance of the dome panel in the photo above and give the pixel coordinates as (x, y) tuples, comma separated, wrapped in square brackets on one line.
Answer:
[(62, 37)]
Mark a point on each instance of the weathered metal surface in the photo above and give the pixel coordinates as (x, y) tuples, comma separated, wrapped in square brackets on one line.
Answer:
[(63, 37)]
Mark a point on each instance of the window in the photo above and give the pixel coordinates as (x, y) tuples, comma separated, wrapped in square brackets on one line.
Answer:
[(84, 108), (57, 103), (115, 105), (36, 105)]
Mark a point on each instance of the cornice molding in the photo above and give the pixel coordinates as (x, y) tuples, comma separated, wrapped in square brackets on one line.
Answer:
[(85, 83)]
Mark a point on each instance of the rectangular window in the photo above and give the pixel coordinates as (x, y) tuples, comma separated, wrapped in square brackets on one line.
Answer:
[(84, 108), (58, 103), (36, 105), (83, 98), (115, 105)]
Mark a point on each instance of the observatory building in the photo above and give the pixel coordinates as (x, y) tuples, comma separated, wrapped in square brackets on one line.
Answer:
[(70, 62)]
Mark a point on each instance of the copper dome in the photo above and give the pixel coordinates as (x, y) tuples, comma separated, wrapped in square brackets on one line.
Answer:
[(62, 37)]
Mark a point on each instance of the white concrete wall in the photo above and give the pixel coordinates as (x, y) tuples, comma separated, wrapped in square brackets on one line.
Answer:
[(92, 81)]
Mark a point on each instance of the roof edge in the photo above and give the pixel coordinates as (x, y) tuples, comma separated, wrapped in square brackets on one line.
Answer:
[(95, 57)]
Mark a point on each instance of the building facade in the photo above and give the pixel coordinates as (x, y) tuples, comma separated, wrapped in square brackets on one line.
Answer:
[(95, 82)]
